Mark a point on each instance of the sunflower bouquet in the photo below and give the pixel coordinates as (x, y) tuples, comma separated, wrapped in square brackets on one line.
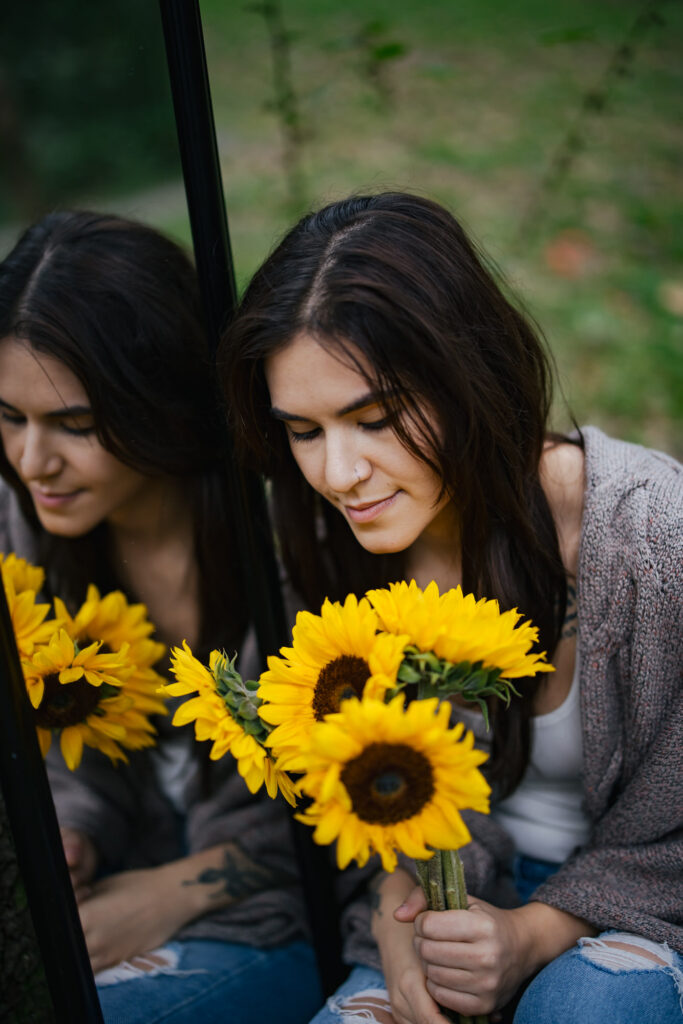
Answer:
[(89, 678), (381, 773)]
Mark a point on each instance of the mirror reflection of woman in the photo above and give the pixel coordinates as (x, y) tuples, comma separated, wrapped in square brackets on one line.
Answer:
[(113, 462), (375, 364)]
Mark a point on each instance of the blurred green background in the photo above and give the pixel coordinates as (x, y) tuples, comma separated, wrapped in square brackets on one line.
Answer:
[(553, 131)]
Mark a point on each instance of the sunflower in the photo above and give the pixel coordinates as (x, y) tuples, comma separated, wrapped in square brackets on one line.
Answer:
[(214, 718), (458, 628), (28, 617), (113, 622), (334, 655), (79, 693), (385, 777), (23, 575)]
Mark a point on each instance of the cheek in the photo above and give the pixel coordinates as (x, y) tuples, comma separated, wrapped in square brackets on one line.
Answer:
[(307, 463)]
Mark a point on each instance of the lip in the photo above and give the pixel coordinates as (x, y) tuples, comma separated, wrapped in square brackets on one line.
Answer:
[(54, 500), (367, 511)]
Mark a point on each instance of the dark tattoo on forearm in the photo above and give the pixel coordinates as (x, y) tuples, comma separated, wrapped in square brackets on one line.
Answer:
[(569, 626), (375, 895), (239, 876)]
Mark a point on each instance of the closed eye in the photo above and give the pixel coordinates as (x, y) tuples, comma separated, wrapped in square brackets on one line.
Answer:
[(303, 435), (77, 429), (70, 425), (10, 417), (380, 424)]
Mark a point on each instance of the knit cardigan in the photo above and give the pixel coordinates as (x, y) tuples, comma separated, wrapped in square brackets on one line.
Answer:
[(629, 875)]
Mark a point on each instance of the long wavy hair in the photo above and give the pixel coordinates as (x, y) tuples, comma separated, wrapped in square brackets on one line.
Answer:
[(118, 304), (393, 278)]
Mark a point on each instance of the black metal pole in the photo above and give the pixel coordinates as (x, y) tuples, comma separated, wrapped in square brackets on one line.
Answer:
[(186, 58), (38, 844)]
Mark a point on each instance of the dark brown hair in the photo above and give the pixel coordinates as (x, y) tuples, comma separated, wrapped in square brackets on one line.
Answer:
[(395, 278), (118, 304)]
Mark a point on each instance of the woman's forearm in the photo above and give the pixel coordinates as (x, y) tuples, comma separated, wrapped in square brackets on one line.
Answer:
[(215, 877), (545, 933)]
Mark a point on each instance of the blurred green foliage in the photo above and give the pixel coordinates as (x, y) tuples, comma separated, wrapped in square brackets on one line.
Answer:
[(552, 131), (84, 103)]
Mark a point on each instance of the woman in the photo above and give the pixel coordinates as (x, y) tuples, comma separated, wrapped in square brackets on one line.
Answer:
[(113, 450), (375, 363)]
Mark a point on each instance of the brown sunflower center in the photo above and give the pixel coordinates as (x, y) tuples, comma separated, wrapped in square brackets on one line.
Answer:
[(65, 704), (340, 679), (388, 782)]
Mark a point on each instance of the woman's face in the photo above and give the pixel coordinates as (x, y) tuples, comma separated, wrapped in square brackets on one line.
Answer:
[(344, 445), (47, 431)]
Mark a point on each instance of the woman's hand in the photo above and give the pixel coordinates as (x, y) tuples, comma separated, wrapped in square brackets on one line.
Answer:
[(476, 959), (403, 970), (81, 860), (128, 914)]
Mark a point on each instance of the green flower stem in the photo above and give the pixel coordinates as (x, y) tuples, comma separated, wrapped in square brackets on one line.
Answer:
[(454, 879), (443, 882), (436, 898), (422, 868)]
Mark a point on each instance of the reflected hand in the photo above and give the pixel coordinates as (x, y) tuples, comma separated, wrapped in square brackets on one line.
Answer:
[(129, 914), (81, 860)]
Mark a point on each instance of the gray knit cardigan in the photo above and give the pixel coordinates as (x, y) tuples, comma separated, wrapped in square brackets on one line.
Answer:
[(629, 875)]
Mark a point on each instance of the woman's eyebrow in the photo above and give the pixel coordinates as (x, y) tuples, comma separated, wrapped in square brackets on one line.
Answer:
[(68, 410), (371, 398)]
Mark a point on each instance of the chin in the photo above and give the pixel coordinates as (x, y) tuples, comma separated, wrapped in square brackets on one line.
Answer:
[(64, 527), (381, 545)]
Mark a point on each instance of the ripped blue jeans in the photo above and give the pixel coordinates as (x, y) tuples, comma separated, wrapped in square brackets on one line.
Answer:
[(199, 980), (592, 983)]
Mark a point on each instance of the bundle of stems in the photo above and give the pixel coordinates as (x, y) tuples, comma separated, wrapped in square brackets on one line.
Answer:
[(443, 882)]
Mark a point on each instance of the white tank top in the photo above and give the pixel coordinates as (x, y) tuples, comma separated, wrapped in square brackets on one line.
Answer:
[(545, 815)]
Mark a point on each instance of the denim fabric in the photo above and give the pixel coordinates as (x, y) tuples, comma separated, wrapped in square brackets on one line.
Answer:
[(570, 990), (529, 873), (220, 983), (574, 990), (361, 979)]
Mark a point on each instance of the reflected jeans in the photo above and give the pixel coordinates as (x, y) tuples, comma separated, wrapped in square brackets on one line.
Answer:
[(208, 982)]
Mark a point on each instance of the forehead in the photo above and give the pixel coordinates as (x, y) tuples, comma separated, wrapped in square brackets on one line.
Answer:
[(308, 373), (30, 379)]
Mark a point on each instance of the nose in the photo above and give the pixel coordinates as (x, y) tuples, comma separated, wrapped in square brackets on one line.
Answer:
[(38, 459), (345, 464)]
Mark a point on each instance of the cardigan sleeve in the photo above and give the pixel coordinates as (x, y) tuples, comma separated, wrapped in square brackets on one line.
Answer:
[(629, 874)]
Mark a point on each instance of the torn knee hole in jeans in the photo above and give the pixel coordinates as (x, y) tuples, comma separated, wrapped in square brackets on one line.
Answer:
[(371, 1006), (158, 961), (621, 951)]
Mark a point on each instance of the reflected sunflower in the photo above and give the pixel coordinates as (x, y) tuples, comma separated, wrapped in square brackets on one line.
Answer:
[(23, 575), (22, 581), (78, 693), (224, 711), (335, 655), (113, 622), (458, 628), (385, 777)]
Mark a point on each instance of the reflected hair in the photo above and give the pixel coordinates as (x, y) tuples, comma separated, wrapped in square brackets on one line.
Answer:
[(118, 303), (392, 282)]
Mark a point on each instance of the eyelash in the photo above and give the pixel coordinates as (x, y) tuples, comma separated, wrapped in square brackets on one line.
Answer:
[(310, 435), (16, 421)]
